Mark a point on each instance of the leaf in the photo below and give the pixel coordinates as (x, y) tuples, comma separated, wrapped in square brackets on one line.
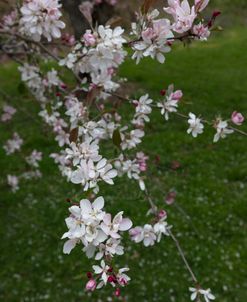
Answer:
[(48, 108), (22, 88), (73, 135), (146, 6), (116, 138)]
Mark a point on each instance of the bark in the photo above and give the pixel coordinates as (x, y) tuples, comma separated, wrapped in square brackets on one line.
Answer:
[(101, 14)]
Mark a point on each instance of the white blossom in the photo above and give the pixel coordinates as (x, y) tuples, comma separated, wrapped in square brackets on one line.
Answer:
[(196, 127), (222, 130)]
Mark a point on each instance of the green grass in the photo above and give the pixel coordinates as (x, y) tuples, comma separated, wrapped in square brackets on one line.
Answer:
[(211, 185)]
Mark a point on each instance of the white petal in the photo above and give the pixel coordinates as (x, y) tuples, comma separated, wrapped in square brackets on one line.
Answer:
[(125, 224), (85, 206), (68, 246), (98, 204)]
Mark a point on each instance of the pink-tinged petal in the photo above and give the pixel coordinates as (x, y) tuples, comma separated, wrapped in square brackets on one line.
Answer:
[(68, 246), (107, 219), (98, 204), (115, 235), (86, 206), (125, 224), (118, 218)]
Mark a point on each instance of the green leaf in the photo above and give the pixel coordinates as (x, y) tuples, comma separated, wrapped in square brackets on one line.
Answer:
[(22, 88), (116, 138)]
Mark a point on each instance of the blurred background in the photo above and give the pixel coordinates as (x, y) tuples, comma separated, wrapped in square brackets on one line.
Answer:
[(209, 214)]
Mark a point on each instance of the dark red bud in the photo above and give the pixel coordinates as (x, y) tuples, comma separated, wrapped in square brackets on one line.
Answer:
[(89, 275), (111, 279), (163, 92), (216, 14), (58, 94)]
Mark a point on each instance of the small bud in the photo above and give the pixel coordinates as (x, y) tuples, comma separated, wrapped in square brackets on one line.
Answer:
[(110, 270), (216, 14), (170, 198), (163, 92), (58, 94), (111, 279), (91, 285), (237, 118), (64, 86), (89, 275), (162, 214), (117, 292)]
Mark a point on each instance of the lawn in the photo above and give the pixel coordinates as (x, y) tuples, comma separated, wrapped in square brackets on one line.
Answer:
[(211, 185)]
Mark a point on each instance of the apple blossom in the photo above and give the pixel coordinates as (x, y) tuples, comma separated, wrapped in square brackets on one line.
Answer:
[(196, 127), (201, 31), (183, 15), (197, 292), (222, 130), (14, 144), (34, 158), (13, 182), (8, 112)]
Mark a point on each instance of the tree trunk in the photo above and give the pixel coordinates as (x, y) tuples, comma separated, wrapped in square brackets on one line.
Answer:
[(101, 14)]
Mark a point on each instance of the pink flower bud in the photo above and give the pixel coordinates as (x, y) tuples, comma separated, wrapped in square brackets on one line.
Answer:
[(177, 95), (91, 285), (162, 214), (64, 86), (89, 39), (170, 198), (237, 118), (117, 292)]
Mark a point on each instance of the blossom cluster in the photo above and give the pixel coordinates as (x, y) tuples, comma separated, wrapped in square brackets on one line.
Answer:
[(99, 234), (41, 18), (95, 229), (151, 233), (154, 36), (98, 54), (106, 274)]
